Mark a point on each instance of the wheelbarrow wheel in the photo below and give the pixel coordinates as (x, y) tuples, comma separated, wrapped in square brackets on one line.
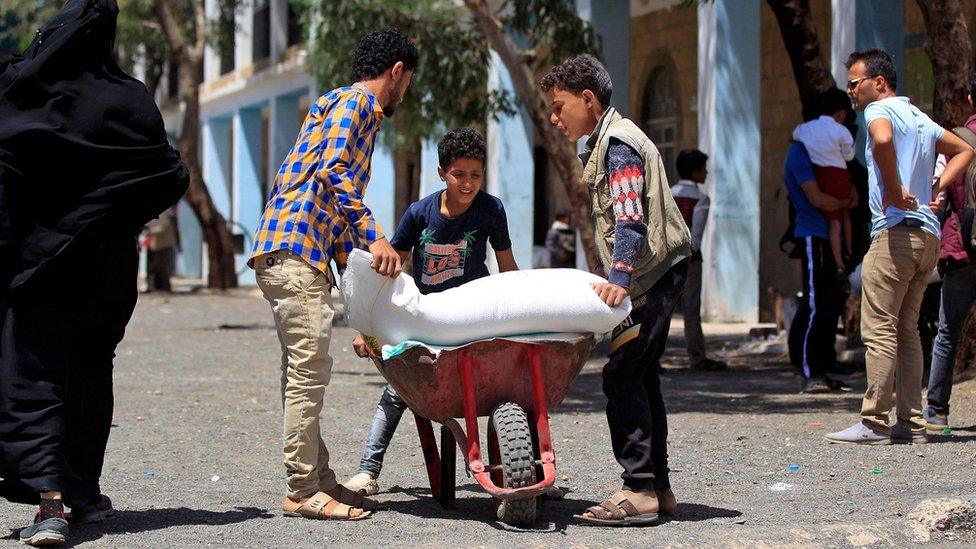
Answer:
[(516, 455)]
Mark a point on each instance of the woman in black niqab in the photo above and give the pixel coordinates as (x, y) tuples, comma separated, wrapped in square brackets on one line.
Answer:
[(84, 164)]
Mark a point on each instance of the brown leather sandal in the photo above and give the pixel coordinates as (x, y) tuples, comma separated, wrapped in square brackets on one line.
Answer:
[(322, 506), (617, 511), (356, 499)]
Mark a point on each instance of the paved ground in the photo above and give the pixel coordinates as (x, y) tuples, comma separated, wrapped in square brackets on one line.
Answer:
[(193, 459)]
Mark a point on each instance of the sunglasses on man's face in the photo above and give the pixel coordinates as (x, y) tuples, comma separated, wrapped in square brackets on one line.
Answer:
[(852, 84)]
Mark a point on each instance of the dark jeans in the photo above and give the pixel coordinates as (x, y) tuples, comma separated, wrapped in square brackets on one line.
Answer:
[(958, 295), (813, 332), (389, 410), (57, 344), (632, 383)]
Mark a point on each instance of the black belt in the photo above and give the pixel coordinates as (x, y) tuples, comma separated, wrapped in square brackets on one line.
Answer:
[(910, 222)]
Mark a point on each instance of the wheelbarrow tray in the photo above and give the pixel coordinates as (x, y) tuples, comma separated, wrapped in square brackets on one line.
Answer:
[(430, 383)]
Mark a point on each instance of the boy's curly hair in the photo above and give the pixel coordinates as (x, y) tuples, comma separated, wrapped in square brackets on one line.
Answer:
[(460, 143), (582, 72), (380, 50)]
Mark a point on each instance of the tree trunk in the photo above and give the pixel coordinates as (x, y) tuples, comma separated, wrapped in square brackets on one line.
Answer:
[(407, 158), (803, 46), (530, 96), (949, 49), (222, 272)]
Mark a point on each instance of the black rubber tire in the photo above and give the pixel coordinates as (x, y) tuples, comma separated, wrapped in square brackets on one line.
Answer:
[(511, 427)]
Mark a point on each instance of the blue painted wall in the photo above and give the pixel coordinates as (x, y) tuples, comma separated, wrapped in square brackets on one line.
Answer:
[(286, 123)]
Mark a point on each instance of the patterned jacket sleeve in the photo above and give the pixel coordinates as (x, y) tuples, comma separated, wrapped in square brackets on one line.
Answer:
[(625, 175), (341, 129)]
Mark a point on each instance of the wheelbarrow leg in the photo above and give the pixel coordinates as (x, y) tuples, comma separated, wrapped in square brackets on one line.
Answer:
[(433, 461), (542, 433), (448, 469)]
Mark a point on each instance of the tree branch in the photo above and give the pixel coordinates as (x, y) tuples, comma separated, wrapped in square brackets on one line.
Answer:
[(201, 27), (803, 46), (170, 28)]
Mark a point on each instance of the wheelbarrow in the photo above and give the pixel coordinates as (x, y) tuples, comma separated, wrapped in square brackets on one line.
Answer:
[(513, 382)]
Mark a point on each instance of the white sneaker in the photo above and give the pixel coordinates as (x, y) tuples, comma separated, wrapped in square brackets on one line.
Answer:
[(364, 483), (859, 433)]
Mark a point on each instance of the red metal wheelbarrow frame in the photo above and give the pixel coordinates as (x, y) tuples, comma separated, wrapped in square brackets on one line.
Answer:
[(474, 379), (470, 442)]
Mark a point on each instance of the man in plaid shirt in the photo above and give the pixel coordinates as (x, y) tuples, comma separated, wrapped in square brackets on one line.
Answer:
[(316, 214)]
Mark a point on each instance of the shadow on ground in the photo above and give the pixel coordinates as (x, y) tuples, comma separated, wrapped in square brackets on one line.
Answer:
[(733, 391), (128, 522), (554, 515)]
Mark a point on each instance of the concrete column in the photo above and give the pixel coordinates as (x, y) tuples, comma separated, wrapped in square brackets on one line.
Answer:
[(217, 163), (248, 193), (217, 167), (611, 21), (728, 128), (243, 50), (279, 28), (211, 57), (510, 167), (843, 31), (190, 260)]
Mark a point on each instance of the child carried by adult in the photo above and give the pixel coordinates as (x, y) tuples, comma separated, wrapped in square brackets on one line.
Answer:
[(830, 146)]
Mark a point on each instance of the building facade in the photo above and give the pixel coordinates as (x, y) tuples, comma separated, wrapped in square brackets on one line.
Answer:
[(713, 76)]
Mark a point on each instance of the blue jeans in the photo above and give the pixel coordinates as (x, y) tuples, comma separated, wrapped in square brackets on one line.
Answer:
[(958, 295), (389, 410)]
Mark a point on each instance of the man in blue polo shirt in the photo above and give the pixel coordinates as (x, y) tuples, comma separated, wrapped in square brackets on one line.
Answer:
[(901, 149), (814, 328)]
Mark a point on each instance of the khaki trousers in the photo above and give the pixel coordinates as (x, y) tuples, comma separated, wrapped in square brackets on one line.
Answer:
[(301, 299), (894, 275)]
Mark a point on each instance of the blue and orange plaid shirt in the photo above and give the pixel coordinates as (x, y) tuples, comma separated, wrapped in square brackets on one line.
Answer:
[(316, 208)]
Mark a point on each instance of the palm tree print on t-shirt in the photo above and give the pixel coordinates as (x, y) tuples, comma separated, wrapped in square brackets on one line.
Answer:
[(443, 261)]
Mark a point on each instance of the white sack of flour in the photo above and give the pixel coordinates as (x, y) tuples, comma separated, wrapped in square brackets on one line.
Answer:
[(506, 304)]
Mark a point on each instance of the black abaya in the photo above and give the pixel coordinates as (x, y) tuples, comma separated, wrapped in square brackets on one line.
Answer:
[(84, 164)]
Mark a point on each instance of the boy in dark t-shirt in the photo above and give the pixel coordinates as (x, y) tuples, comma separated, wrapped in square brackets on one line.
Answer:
[(448, 233), (451, 250)]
